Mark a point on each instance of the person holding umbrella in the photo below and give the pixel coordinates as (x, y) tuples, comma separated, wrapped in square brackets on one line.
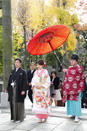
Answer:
[(41, 92), (73, 86)]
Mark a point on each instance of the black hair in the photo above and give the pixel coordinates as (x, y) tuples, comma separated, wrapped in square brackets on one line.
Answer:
[(19, 59), (54, 72), (32, 63), (75, 57), (60, 81), (40, 62)]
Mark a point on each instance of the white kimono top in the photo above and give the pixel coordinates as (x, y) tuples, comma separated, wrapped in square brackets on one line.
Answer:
[(41, 97)]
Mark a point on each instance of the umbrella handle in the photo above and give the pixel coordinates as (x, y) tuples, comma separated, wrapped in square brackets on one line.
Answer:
[(61, 67), (60, 64)]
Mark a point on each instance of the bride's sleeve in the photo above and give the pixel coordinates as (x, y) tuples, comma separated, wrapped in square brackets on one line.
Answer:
[(46, 83)]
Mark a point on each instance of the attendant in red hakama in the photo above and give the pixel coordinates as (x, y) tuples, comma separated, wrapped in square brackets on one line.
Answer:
[(73, 87)]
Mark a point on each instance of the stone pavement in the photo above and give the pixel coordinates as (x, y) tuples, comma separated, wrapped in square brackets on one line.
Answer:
[(58, 121), (30, 124)]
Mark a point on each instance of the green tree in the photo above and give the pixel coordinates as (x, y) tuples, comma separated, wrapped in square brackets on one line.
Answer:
[(51, 60), (81, 34)]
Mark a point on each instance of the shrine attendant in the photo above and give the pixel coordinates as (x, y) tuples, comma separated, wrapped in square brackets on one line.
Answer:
[(41, 92), (73, 86)]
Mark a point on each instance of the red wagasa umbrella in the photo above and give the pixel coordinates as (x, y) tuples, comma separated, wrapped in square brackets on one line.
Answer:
[(48, 40)]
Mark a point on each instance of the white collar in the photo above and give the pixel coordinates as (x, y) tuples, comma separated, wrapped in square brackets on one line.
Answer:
[(75, 66), (17, 69)]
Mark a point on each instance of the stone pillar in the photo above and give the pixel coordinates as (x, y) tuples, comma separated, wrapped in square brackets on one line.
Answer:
[(7, 40)]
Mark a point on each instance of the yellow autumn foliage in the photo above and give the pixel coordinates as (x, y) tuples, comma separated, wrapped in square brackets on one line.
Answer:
[(37, 14), (20, 40), (67, 4), (71, 42), (64, 17), (0, 13)]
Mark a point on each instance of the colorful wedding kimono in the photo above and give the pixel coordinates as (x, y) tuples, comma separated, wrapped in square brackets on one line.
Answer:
[(41, 97), (72, 89)]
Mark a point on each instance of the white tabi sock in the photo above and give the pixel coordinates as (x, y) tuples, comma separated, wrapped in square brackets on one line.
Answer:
[(76, 119)]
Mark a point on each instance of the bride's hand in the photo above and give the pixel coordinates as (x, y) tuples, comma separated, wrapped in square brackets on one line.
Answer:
[(38, 87)]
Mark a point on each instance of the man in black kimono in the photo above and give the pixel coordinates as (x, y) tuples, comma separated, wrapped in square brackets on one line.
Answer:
[(29, 79), (17, 87)]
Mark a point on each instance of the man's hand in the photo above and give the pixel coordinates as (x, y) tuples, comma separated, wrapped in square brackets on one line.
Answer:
[(51, 83), (65, 70), (23, 93), (32, 88), (30, 84)]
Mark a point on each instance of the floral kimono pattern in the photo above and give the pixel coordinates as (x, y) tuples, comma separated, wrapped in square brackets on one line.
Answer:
[(41, 97)]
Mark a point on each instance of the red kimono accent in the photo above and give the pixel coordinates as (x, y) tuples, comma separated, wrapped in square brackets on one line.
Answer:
[(73, 83)]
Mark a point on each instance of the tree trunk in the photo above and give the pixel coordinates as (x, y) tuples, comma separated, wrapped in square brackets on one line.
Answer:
[(33, 57), (25, 58), (7, 40)]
